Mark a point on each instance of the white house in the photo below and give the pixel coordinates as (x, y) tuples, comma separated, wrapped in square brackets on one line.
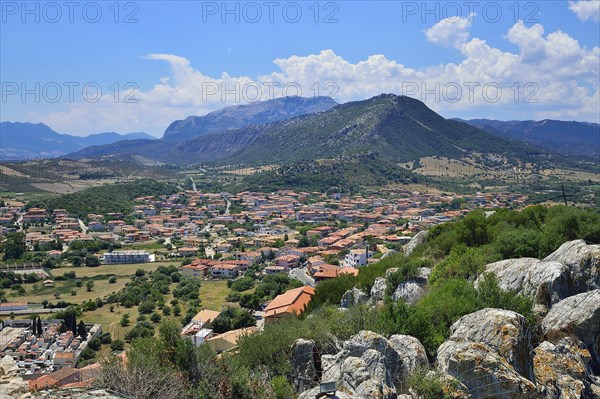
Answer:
[(357, 257)]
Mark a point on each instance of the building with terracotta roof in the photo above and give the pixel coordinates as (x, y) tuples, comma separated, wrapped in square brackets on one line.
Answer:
[(226, 341), (290, 302)]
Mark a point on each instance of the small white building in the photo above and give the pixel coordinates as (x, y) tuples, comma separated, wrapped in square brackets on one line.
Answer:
[(201, 336), (357, 257)]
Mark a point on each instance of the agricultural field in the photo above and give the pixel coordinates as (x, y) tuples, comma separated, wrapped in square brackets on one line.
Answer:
[(212, 293)]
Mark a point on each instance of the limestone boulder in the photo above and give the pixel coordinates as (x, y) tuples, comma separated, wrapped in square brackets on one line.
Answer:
[(578, 315)]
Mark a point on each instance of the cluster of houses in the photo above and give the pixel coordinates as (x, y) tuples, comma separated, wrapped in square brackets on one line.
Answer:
[(50, 350), (241, 229), (199, 329)]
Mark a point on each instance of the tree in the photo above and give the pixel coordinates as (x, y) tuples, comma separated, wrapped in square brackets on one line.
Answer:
[(155, 317), (34, 326), (14, 246), (112, 279), (124, 320), (77, 261), (40, 330), (147, 307), (89, 285), (81, 330), (117, 345), (92, 261), (87, 353), (249, 301), (95, 344)]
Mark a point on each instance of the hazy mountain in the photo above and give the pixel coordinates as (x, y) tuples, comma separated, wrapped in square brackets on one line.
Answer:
[(240, 116), (567, 137), (36, 140)]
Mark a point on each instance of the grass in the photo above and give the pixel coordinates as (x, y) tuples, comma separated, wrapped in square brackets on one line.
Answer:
[(212, 293)]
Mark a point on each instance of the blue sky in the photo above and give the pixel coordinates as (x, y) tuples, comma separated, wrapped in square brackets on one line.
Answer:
[(535, 59)]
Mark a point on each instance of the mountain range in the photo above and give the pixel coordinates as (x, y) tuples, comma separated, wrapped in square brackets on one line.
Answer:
[(292, 129), (398, 128), (37, 140), (566, 137)]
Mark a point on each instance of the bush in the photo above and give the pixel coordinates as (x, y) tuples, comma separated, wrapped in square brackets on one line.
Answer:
[(112, 279), (87, 353), (330, 292), (94, 344), (155, 317), (427, 384), (117, 345), (233, 297), (242, 284), (142, 329)]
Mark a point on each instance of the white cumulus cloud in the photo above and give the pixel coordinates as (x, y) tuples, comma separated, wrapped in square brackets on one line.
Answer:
[(550, 76), (586, 9), (450, 32)]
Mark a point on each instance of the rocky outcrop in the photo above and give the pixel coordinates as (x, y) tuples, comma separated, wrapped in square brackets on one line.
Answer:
[(418, 239), (483, 371), (572, 269), (370, 366), (561, 369), (11, 384), (409, 291), (378, 290), (412, 290), (546, 282), (578, 315), (304, 362), (353, 297), (583, 261), (412, 353), (504, 331), (489, 353)]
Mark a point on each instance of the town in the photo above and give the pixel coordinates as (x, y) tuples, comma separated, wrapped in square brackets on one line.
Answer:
[(308, 237)]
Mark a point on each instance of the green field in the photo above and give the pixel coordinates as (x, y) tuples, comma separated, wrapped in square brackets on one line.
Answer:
[(212, 293)]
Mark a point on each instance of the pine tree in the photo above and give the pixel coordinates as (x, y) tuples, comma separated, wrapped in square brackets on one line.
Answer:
[(74, 324)]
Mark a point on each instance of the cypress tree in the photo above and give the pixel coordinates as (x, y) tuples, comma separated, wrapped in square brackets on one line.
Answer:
[(40, 330), (81, 331)]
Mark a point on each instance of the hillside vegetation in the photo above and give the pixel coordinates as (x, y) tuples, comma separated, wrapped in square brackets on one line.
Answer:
[(261, 368), (116, 197)]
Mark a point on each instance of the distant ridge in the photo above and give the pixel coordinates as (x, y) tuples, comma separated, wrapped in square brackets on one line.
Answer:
[(566, 137), (23, 140)]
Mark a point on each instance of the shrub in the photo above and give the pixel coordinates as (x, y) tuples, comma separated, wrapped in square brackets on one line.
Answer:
[(117, 345), (155, 317), (242, 284), (427, 384)]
